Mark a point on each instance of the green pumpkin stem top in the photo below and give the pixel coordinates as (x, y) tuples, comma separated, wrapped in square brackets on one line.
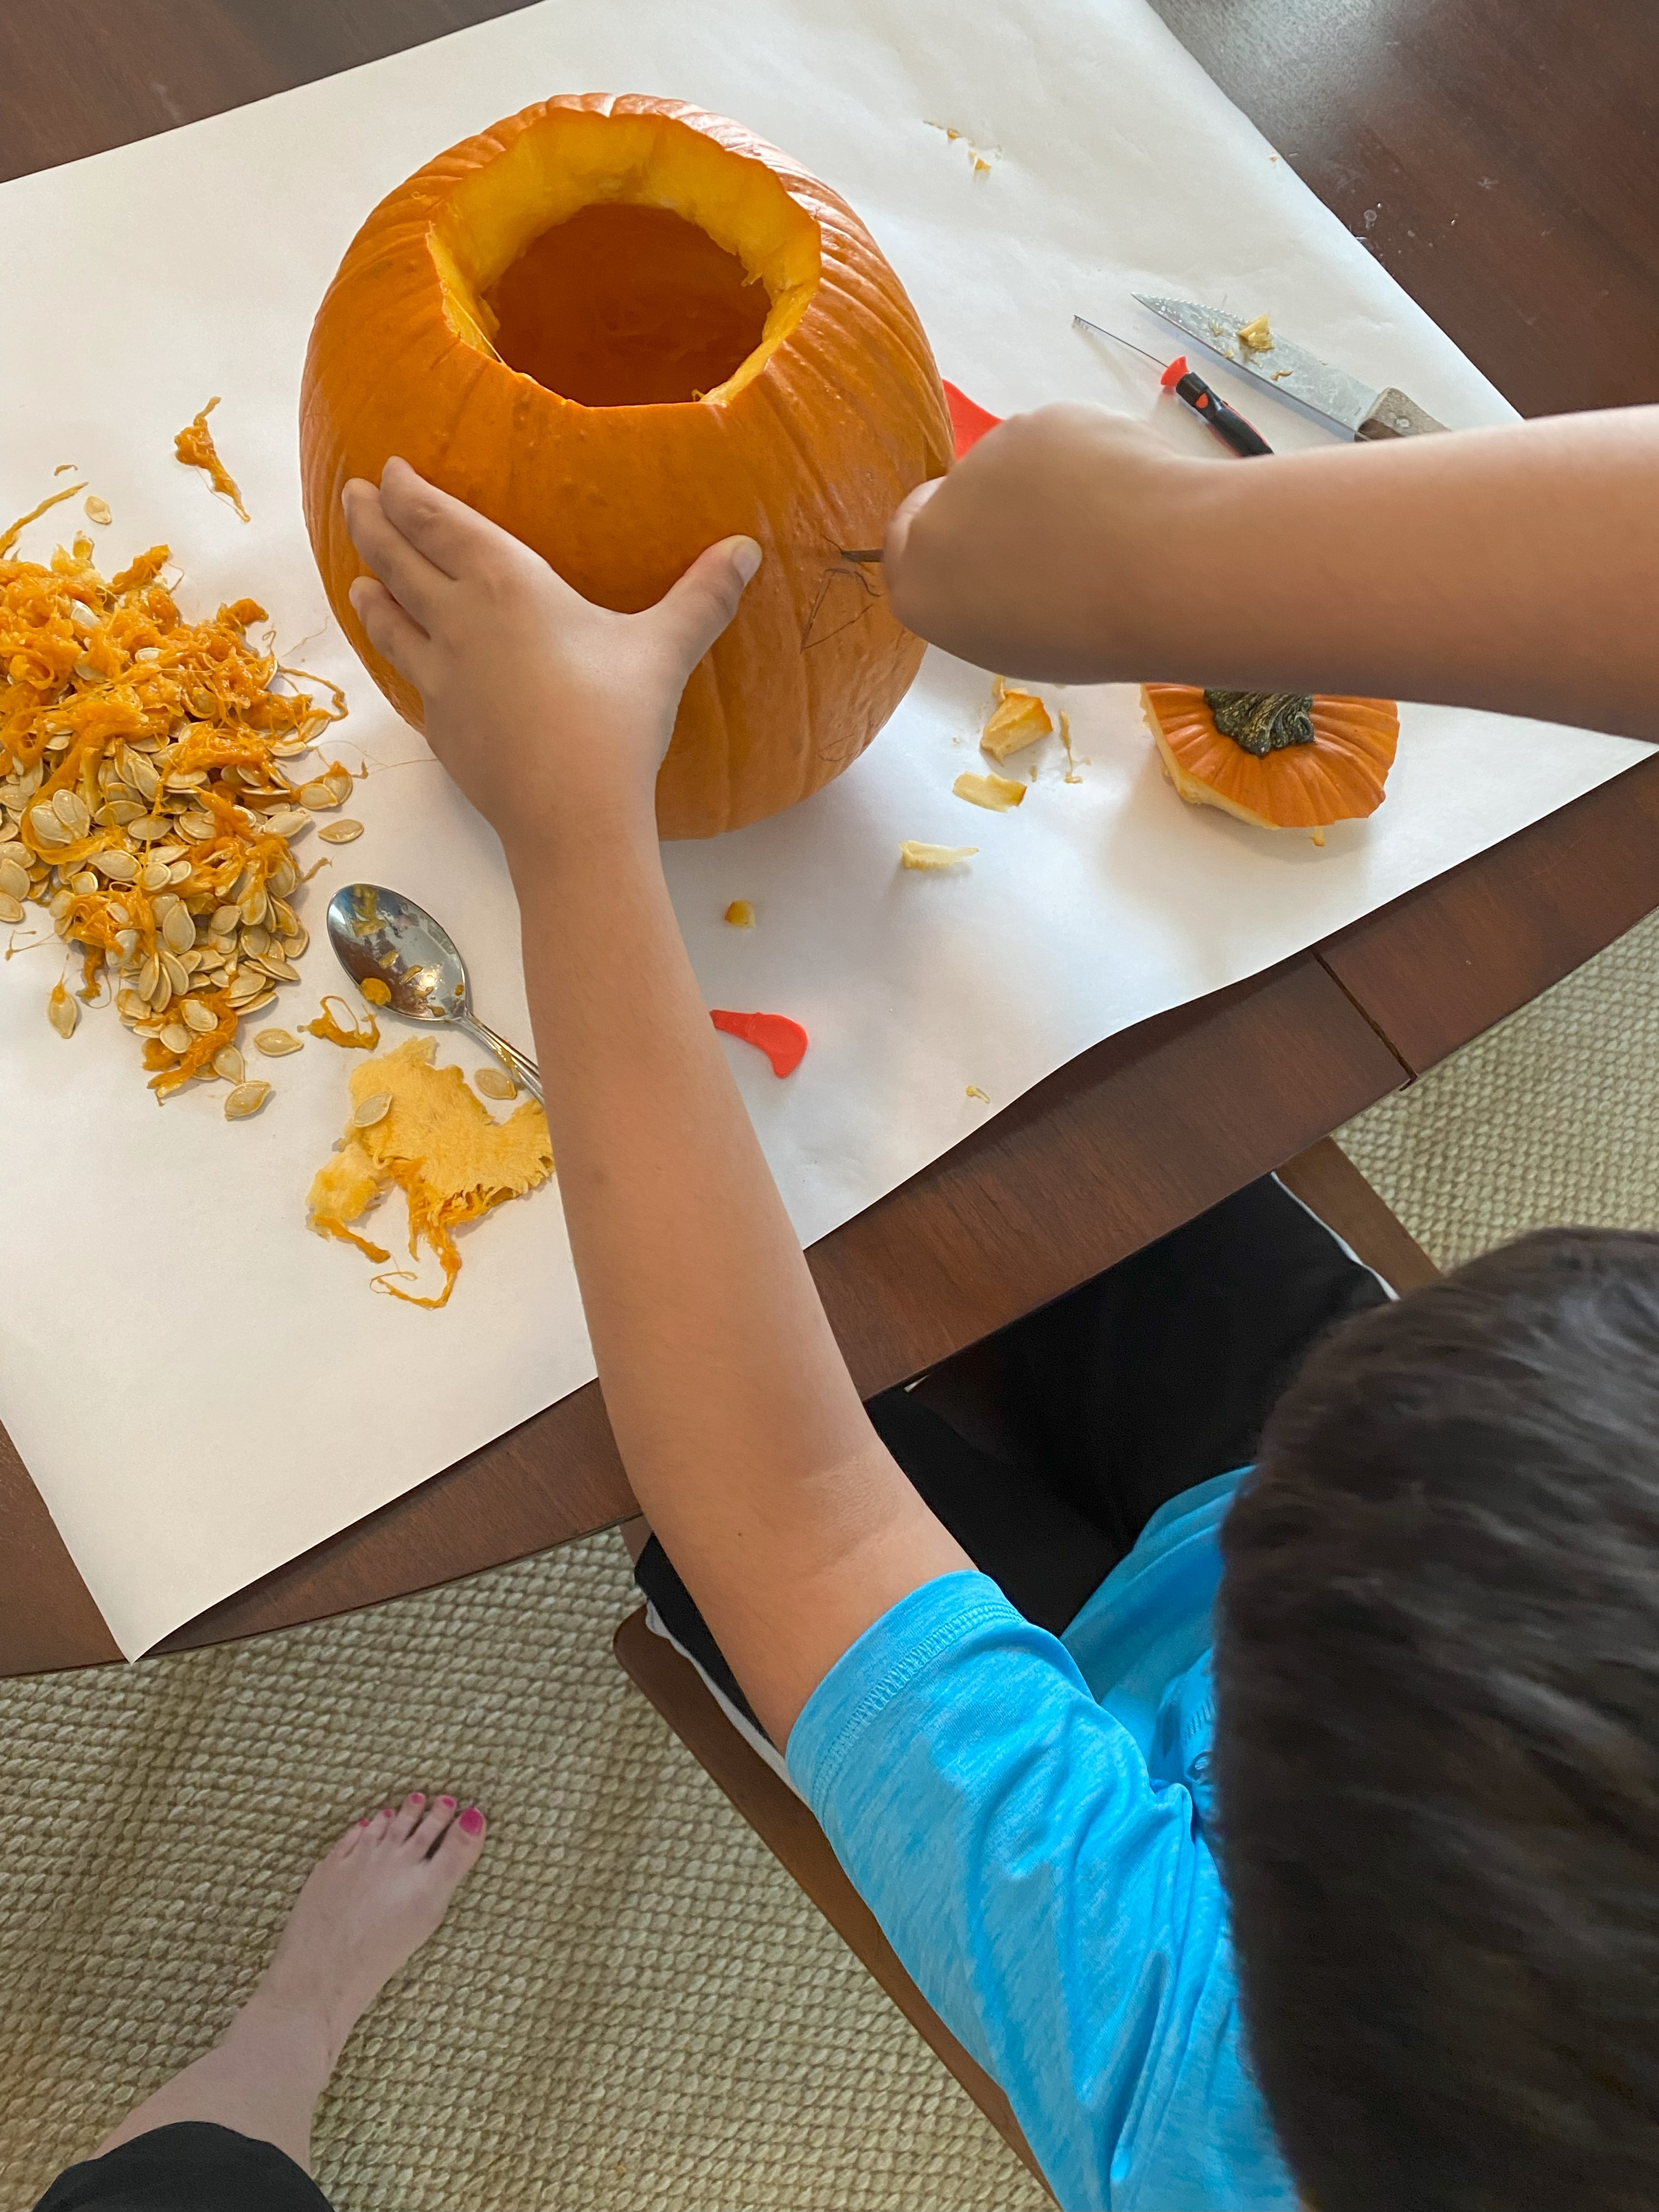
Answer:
[(1263, 722)]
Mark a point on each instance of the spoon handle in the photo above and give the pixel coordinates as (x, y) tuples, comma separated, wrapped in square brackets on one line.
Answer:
[(509, 1055)]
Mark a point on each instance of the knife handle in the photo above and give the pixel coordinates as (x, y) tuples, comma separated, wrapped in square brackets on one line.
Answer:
[(1394, 415), (1228, 425)]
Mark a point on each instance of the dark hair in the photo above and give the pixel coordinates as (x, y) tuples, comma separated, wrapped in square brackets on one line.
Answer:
[(1438, 1742)]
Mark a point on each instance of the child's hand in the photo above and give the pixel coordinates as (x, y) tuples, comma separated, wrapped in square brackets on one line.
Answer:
[(1038, 553), (552, 713)]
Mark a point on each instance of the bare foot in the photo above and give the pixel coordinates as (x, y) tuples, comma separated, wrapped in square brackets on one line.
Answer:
[(364, 1909)]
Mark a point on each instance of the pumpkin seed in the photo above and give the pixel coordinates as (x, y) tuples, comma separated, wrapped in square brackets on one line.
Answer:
[(170, 854), (340, 833), (163, 904), (129, 1006), (201, 1018), (264, 999), (224, 921), (338, 780), (71, 810), (62, 1011), (14, 879), (178, 929), (318, 798), (83, 881), (155, 875), (248, 985), (495, 1083), (227, 1064), (120, 813), (185, 779), (372, 1111), (256, 941), (148, 827), (254, 907), (11, 909), (97, 511), (60, 902), (119, 868), (126, 941), (178, 976), (117, 912), (274, 964), (14, 848), (294, 947), (141, 775), (180, 871), (176, 1037), (275, 1042), (197, 826), (47, 829), (246, 1098)]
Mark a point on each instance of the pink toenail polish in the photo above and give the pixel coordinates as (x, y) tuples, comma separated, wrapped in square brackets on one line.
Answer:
[(450, 1802), (416, 1797), (385, 1811), (471, 1822)]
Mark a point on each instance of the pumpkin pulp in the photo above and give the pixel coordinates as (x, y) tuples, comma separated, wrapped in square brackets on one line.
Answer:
[(626, 261)]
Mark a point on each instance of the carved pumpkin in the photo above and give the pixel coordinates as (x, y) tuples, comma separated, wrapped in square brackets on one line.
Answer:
[(1281, 760), (622, 329)]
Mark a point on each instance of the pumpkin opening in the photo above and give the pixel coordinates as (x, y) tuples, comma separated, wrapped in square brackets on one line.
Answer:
[(626, 261), (628, 306)]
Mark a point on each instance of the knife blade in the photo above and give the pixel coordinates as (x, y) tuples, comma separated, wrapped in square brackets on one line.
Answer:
[(1362, 410)]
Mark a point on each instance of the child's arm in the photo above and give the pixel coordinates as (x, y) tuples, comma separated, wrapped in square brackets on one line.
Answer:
[(1513, 568), (742, 1433)]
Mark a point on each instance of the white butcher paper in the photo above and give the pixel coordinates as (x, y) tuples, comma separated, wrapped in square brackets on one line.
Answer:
[(201, 1387)]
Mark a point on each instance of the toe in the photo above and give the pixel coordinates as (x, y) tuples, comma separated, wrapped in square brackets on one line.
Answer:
[(381, 1826), (408, 1817), (458, 1852), (437, 1817)]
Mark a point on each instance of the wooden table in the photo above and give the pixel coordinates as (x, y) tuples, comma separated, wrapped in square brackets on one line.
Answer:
[(1502, 158)]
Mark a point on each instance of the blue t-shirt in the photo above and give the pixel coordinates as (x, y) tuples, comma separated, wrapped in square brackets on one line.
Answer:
[(1025, 1815)]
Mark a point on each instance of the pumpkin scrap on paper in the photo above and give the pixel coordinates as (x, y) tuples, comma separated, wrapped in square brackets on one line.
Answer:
[(741, 914), (423, 1128), (1018, 719), (1280, 760), (1255, 335), (998, 792), (913, 854), (195, 447), (144, 799), (351, 1033), (783, 1041)]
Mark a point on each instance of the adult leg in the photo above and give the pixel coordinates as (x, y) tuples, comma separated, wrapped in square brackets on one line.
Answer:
[(364, 1909)]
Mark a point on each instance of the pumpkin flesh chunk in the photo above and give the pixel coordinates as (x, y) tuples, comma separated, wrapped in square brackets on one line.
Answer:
[(629, 257)]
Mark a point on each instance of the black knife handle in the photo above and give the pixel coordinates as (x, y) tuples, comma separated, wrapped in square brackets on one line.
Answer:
[(1228, 425)]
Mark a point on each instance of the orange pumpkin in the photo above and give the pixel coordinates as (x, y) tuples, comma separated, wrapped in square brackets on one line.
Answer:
[(1281, 760), (624, 328)]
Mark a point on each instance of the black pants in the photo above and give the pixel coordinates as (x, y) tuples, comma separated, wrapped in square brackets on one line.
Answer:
[(1046, 1450), (192, 2166)]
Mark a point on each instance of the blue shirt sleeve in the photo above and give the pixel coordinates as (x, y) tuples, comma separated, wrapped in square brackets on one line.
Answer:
[(1061, 1913)]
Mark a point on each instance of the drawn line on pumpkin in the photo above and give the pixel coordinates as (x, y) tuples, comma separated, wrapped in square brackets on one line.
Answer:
[(833, 570)]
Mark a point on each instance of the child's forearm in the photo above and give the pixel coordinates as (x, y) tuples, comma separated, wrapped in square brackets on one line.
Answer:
[(1513, 568), (743, 1437)]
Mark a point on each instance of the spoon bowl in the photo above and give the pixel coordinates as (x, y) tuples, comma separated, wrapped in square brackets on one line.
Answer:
[(379, 934)]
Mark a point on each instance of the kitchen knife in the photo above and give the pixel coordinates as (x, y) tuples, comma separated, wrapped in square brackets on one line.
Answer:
[(1359, 409)]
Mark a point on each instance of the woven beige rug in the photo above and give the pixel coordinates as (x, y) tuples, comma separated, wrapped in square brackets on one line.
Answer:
[(631, 2005)]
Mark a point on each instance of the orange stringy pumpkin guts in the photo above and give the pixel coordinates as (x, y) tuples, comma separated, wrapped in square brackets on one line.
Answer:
[(195, 449), (145, 803), (362, 1037), (420, 1128)]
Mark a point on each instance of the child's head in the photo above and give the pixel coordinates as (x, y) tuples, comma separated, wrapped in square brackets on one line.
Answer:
[(1438, 1742)]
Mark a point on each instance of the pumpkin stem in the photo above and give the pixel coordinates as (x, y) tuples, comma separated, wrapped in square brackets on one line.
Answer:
[(1263, 722)]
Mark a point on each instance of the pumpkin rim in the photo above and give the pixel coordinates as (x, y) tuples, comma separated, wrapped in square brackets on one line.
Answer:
[(471, 248)]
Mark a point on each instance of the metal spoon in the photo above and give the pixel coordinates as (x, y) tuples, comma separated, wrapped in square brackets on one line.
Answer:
[(375, 932)]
